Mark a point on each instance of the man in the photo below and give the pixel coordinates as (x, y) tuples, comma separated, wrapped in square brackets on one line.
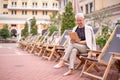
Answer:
[(87, 41)]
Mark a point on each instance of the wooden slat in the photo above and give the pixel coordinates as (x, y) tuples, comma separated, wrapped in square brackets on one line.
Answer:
[(116, 58), (92, 75)]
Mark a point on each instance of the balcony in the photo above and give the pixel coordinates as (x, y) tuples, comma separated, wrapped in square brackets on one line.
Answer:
[(32, 8)]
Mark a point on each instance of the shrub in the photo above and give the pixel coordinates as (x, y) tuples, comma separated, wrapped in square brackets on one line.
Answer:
[(4, 32), (52, 29)]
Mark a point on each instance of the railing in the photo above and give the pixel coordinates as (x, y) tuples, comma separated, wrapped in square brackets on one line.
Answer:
[(33, 8)]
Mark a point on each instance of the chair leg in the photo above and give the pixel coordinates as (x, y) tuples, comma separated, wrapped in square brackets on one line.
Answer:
[(51, 55), (96, 68), (108, 68), (80, 64), (32, 49), (59, 56), (84, 67)]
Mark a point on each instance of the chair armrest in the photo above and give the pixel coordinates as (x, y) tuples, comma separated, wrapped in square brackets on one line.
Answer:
[(94, 51), (115, 53), (90, 59)]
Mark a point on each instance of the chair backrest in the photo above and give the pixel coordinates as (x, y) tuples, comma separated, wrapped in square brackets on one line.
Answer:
[(44, 37), (112, 45), (64, 37), (96, 30), (28, 37), (52, 37)]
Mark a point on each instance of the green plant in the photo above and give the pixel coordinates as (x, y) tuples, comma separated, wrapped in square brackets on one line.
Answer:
[(34, 30), (33, 27), (4, 32), (101, 40), (25, 30), (52, 29)]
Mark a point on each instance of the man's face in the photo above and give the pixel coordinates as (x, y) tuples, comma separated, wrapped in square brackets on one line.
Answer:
[(80, 21)]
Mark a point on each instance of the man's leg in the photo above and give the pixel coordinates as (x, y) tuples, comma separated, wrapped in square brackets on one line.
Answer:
[(65, 57), (68, 52), (73, 58), (82, 48)]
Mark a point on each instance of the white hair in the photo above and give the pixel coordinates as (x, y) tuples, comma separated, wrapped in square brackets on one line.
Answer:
[(79, 15)]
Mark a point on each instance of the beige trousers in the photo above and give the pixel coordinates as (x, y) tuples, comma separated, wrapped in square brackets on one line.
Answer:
[(72, 51)]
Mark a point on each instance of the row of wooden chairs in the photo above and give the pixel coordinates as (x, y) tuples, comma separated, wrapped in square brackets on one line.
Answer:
[(46, 47), (49, 48)]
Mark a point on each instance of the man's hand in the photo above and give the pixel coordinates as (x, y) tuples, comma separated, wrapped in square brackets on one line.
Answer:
[(72, 41)]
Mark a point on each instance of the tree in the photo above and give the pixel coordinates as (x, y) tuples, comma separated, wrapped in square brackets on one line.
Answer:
[(68, 18), (25, 30), (33, 26), (4, 32), (56, 20)]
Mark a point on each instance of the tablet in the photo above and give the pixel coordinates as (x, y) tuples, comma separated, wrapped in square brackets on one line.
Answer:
[(74, 36)]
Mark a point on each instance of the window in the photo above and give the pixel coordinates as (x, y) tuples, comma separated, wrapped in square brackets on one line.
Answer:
[(86, 8), (13, 12), (56, 4), (5, 5), (14, 3), (45, 4), (53, 4), (81, 8), (91, 7), (5, 12), (44, 12), (59, 4), (24, 12), (24, 4), (34, 12), (34, 4), (65, 2), (13, 25)]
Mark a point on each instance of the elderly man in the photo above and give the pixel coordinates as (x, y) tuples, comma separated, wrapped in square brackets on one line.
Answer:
[(87, 41)]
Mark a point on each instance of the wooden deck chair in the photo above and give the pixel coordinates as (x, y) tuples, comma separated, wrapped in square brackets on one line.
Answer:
[(20, 44), (38, 41), (112, 45), (32, 43), (50, 52), (41, 42), (50, 41), (33, 39), (82, 61), (24, 43)]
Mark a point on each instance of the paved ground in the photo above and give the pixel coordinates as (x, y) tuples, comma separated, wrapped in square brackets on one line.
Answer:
[(16, 64)]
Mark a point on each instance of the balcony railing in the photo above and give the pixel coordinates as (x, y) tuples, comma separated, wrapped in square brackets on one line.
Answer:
[(33, 8)]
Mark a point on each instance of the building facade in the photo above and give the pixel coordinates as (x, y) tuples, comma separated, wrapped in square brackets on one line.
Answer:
[(16, 12), (91, 7)]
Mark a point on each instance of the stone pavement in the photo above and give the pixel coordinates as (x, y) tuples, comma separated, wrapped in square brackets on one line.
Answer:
[(16, 64)]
